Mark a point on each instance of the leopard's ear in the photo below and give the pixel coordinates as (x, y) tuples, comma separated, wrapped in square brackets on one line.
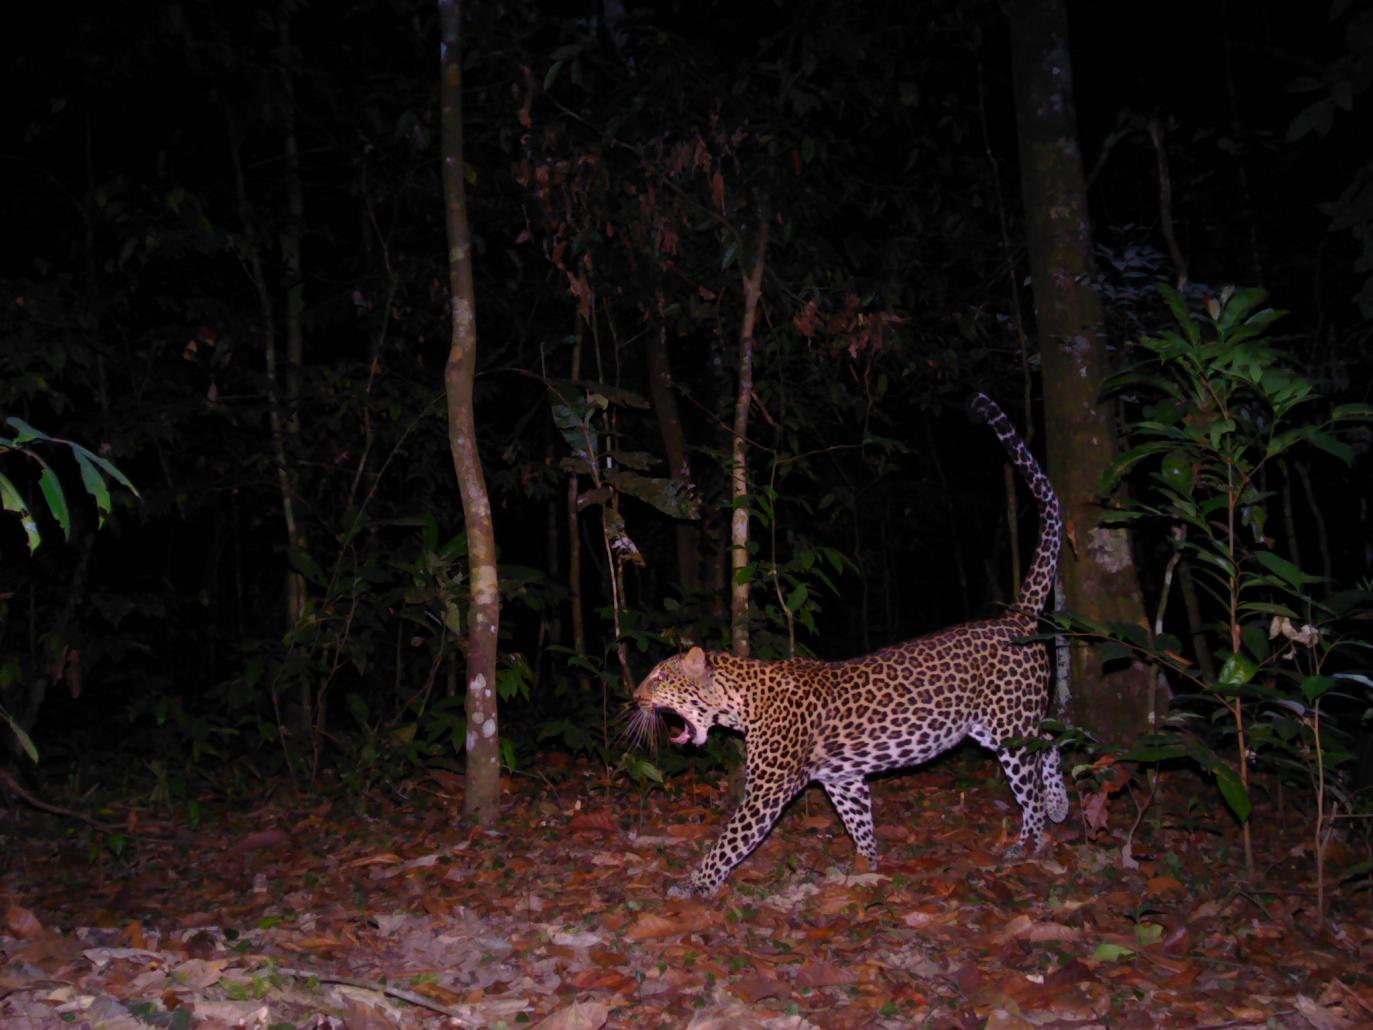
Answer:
[(694, 663)]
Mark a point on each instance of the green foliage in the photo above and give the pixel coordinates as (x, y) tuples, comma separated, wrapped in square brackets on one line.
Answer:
[(94, 470), (1218, 409)]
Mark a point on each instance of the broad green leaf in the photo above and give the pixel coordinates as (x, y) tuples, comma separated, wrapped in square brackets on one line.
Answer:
[(357, 707), (1237, 671), (1181, 315), (94, 483), (644, 769), (1115, 471), (13, 502), (1154, 753), (1219, 428), (56, 500), (1176, 470), (1115, 651), (1290, 574), (306, 566), (1330, 445), (668, 496), (1239, 305), (1352, 411), (106, 466), (1148, 933), (1255, 641), (797, 597), (25, 742), (1314, 686), (25, 432), (1233, 791)]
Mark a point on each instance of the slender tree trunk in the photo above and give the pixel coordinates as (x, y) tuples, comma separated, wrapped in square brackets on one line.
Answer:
[(739, 584), (481, 802), (293, 324), (574, 542), (1099, 578), (674, 444), (276, 420)]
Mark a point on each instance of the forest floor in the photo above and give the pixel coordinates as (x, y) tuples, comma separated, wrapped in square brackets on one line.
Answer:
[(386, 911)]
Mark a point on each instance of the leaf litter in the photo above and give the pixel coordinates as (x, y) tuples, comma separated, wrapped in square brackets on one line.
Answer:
[(385, 911)]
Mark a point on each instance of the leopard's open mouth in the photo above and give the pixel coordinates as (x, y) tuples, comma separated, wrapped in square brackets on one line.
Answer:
[(688, 733)]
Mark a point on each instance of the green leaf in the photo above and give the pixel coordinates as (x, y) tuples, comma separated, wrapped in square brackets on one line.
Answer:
[(357, 707), (1233, 791), (1115, 471), (1112, 952), (1237, 671), (797, 597), (1330, 445), (1281, 567), (306, 566), (13, 502), (106, 466), (1154, 753), (25, 432), (94, 483), (1148, 933), (1219, 428), (1314, 686), (24, 740), (1181, 315), (56, 500), (1239, 305), (1361, 412), (667, 495), (1255, 641), (1114, 651)]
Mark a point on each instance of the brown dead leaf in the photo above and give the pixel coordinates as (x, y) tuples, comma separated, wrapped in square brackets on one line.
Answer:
[(1361, 1000), (598, 821), (821, 974), (1166, 884), (383, 858), (131, 936), (690, 831), (648, 926), (580, 1015), (263, 839), (593, 979), (1321, 1017), (1022, 927), (1068, 974), (23, 923), (753, 989)]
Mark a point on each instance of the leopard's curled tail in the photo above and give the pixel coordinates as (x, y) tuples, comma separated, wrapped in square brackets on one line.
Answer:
[(1038, 586)]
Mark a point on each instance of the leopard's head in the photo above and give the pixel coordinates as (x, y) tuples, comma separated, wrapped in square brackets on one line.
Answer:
[(684, 686)]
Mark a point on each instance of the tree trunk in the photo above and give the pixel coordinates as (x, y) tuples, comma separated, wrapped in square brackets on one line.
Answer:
[(312, 711), (739, 584), (674, 444), (481, 803), (1100, 581)]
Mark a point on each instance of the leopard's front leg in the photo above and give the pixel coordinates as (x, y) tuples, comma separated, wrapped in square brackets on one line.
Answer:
[(766, 793)]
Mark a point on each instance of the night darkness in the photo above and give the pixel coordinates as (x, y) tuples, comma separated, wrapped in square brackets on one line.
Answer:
[(224, 268)]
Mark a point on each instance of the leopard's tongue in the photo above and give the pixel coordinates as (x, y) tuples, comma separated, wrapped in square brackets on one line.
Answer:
[(682, 737)]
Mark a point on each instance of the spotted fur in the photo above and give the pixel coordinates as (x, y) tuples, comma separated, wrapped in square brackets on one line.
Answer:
[(838, 722)]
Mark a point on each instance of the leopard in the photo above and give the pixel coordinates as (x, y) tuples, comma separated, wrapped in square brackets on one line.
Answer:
[(837, 723)]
